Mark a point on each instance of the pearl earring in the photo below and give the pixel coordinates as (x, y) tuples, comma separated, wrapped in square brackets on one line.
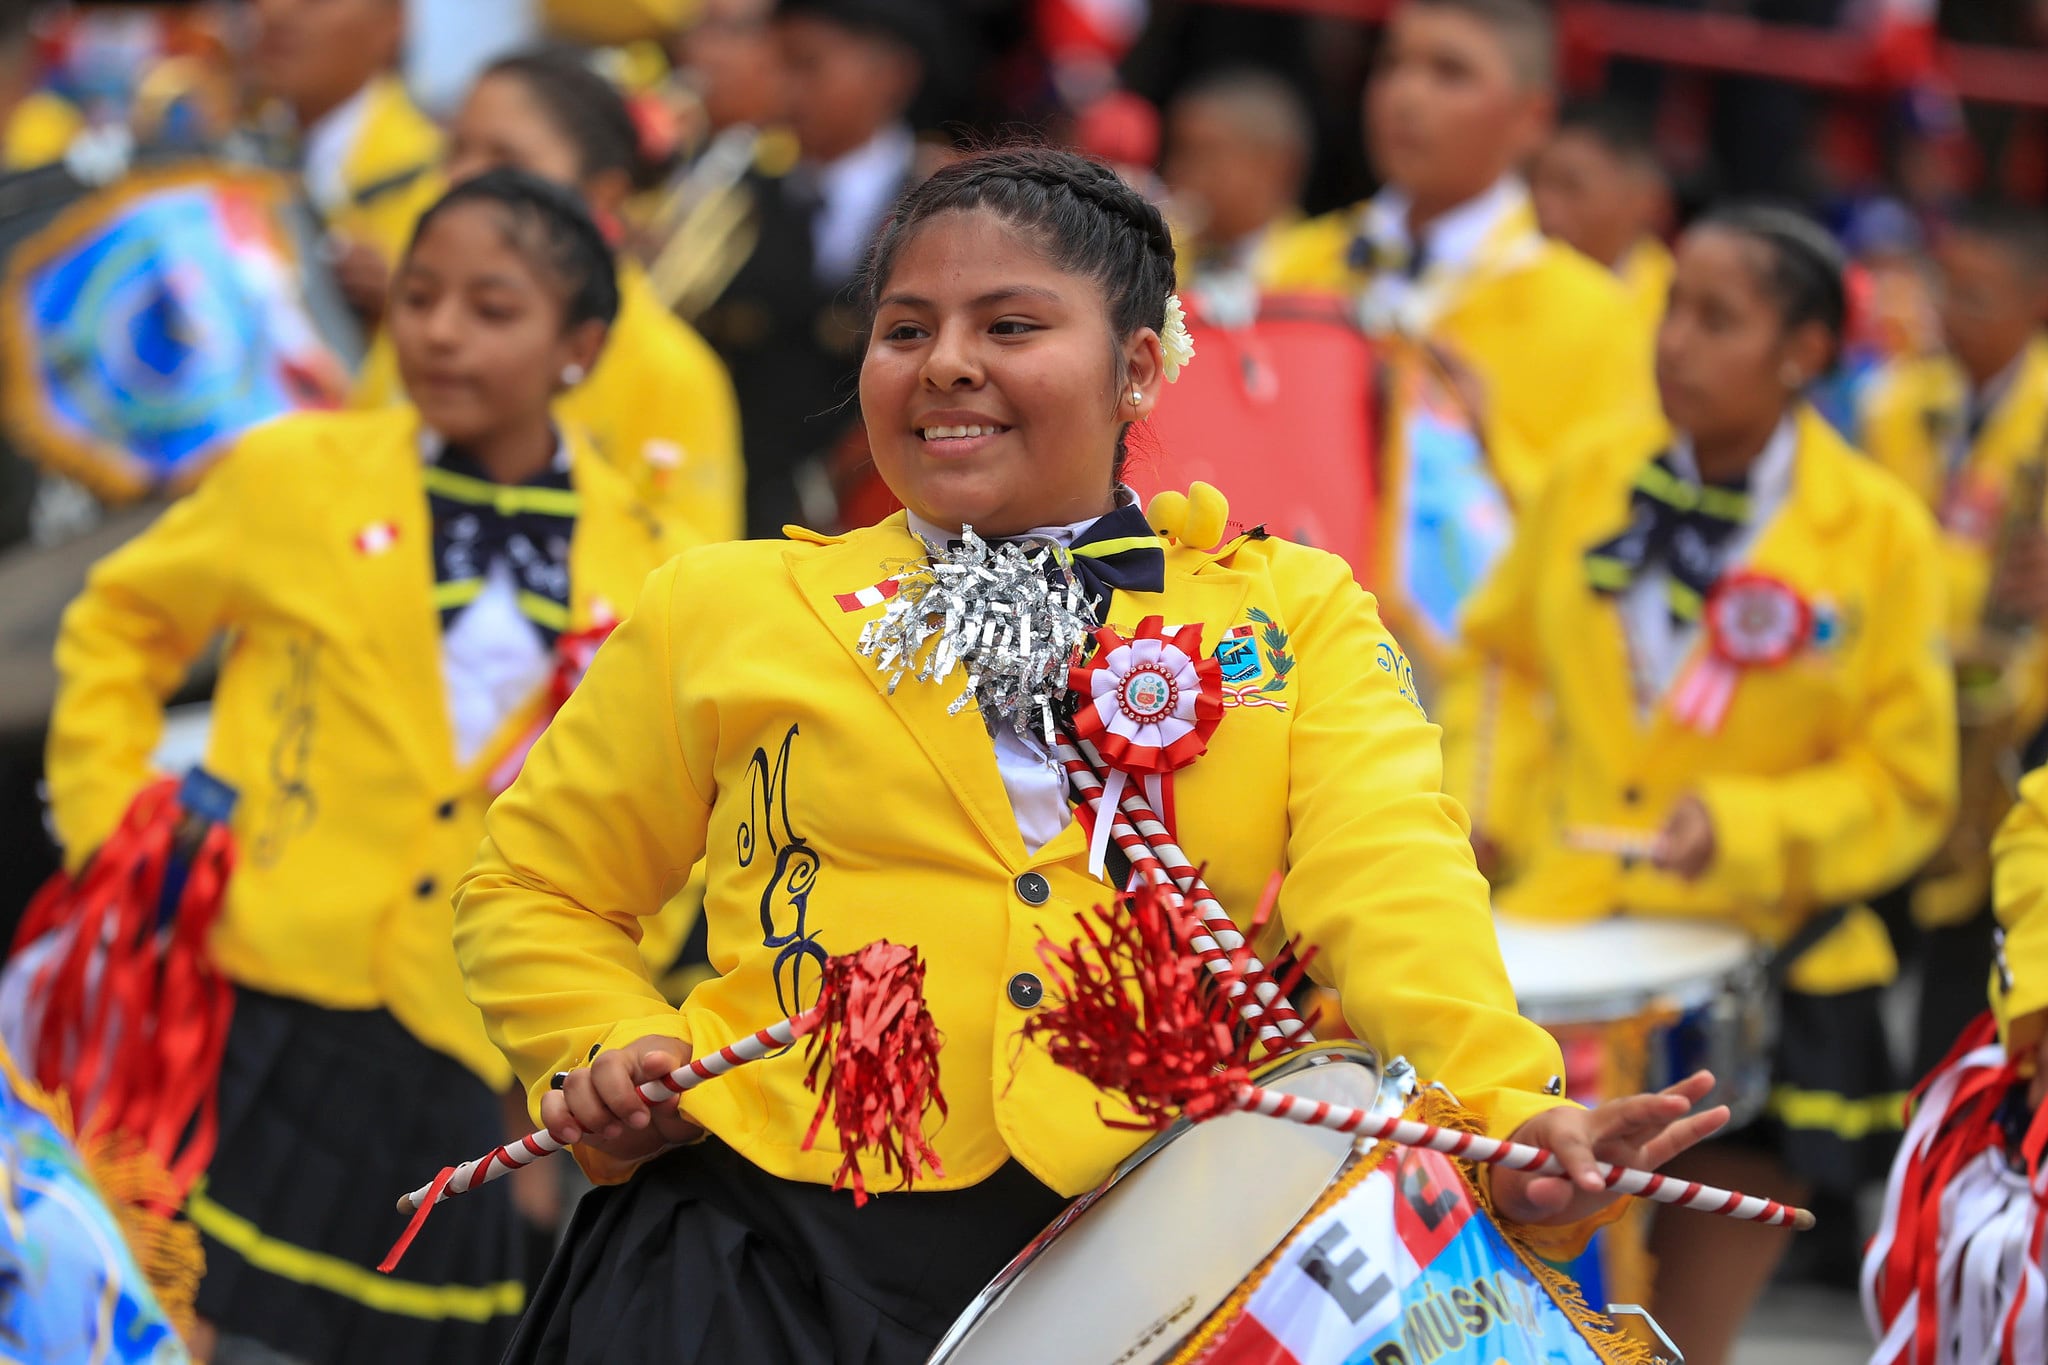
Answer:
[(572, 375), (1137, 395)]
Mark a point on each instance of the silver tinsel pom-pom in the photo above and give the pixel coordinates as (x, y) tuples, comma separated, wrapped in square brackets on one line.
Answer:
[(1002, 613)]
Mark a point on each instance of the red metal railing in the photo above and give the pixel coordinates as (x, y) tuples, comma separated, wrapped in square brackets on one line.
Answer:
[(1595, 32)]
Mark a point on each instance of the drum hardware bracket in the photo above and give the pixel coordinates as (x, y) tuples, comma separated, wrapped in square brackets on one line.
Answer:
[(1672, 1355)]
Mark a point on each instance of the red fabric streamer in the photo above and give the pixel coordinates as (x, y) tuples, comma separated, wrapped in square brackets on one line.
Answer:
[(1138, 1016), (416, 1222), (133, 1017), (876, 1053)]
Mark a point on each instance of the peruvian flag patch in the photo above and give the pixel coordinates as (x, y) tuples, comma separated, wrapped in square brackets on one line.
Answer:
[(376, 538), (866, 597)]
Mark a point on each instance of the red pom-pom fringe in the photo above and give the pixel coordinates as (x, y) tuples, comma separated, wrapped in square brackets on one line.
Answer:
[(877, 1055)]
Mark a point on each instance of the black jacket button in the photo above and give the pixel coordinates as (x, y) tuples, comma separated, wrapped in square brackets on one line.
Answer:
[(425, 888), (1033, 889), (446, 810), (1026, 991)]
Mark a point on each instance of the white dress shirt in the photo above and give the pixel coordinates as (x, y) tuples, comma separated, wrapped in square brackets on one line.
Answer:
[(323, 161), (1658, 645), (1453, 245), (492, 658), (854, 195)]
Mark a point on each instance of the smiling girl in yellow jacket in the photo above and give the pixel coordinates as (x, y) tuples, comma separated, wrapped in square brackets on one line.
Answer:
[(658, 405), (1733, 625), (1019, 297), (395, 588)]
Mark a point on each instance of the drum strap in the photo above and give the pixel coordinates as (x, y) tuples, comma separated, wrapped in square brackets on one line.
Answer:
[(1804, 941)]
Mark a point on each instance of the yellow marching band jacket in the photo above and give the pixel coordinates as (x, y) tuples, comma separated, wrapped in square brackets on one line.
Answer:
[(309, 547), (732, 719)]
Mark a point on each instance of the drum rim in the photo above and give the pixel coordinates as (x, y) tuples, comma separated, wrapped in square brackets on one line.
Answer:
[(1316, 1054), (1685, 992)]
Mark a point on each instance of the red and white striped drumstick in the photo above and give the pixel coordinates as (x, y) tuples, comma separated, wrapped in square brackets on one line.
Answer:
[(1214, 936), (1212, 955), (502, 1161), (1516, 1156)]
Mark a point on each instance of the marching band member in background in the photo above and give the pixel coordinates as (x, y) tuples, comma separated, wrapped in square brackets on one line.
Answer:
[(1449, 252), (1238, 145), (408, 592), (1599, 187), (1968, 431), (659, 405), (1733, 625), (364, 152), (1019, 298), (2019, 979), (769, 283)]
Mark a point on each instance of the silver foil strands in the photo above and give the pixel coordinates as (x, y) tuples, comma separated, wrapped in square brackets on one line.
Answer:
[(1002, 614)]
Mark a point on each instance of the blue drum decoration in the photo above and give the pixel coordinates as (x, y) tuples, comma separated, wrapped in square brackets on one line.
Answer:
[(152, 322)]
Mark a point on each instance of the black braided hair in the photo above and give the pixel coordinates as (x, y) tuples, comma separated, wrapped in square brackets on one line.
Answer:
[(550, 224), (584, 107), (1083, 216), (1807, 275)]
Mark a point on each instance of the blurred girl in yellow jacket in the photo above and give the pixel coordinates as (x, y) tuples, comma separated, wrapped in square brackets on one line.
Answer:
[(1730, 629), (2019, 978), (659, 406), (403, 592), (1019, 298)]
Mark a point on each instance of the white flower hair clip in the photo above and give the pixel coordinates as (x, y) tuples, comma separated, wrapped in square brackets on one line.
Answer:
[(1176, 346)]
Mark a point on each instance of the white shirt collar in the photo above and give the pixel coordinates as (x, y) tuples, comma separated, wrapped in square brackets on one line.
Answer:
[(431, 444), (327, 146), (1063, 536), (1770, 477), (1453, 239)]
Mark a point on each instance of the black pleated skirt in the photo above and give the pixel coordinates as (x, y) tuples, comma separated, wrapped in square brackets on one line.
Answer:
[(327, 1116), (702, 1256), (1837, 1109)]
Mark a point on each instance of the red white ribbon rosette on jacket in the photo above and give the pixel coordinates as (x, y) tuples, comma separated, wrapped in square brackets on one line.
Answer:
[(1149, 705), (1753, 621)]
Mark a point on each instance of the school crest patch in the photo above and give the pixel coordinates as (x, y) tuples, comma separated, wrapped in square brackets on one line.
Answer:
[(1238, 654)]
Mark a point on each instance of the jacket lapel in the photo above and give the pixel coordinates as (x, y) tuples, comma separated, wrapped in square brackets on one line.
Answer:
[(957, 745), (1815, 509), (1608, 674), (393, 599)]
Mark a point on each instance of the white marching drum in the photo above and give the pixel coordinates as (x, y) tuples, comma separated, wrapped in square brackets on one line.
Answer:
[(1134, 1266), (1637, 1004)]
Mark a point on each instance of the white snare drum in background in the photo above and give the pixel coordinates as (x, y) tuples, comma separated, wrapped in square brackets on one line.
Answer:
[(1679, 995), (1136, 1265)]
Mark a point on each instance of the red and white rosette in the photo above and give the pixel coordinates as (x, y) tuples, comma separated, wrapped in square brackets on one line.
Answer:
[(1753, 621), (1149, 705)]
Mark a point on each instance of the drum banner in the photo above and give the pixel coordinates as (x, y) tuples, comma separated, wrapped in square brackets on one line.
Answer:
[(154, 321), (1450, 518), (71, 1231), (1402, 1264)]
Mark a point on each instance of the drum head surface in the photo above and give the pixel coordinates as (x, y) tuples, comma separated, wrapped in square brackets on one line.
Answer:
[(1159, 1252), (1609, 968)]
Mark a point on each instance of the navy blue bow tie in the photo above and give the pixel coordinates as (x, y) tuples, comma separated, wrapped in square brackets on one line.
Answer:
[(1119, 551)]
